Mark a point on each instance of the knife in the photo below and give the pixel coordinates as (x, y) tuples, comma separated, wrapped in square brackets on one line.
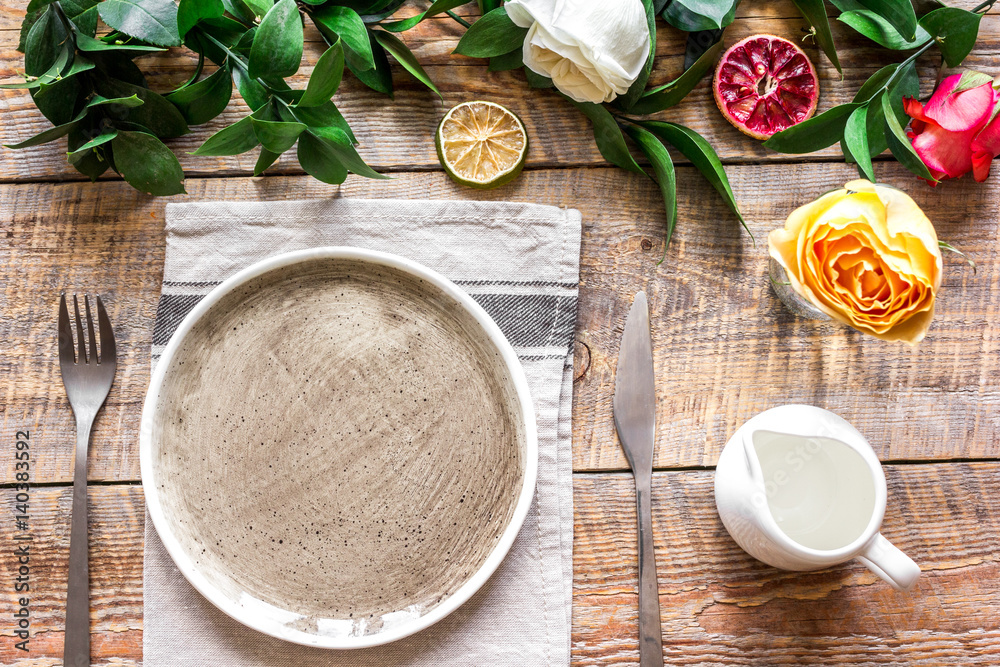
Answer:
[(635, 419)]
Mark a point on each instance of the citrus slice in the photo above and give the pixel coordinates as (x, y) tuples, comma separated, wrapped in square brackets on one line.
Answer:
[(764, 84), (481, 144)]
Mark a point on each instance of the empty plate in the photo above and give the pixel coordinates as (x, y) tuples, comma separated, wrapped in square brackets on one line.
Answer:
[(338, 447)]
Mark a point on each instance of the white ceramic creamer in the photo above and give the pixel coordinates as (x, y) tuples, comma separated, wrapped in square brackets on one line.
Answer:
[(801, 489)]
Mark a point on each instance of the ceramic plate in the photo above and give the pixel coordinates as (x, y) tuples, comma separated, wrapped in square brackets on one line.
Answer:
[(338, 447)]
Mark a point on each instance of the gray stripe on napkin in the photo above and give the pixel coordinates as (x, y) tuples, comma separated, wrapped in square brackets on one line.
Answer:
[(521, 263)]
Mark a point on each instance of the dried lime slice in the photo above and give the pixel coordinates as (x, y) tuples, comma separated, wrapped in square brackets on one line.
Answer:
[(481, 144)]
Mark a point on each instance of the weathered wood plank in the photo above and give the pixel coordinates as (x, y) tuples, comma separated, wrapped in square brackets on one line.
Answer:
[(725, 349), (116, 519), (399, 134), (717, 603)]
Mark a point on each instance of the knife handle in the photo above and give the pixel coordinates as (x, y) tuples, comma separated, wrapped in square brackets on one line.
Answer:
[(650, 637)]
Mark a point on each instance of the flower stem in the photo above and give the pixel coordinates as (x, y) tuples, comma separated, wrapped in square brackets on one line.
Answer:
[(469, 25), (987, 6)]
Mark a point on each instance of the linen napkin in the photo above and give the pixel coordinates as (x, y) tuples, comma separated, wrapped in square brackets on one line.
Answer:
[(521, 263)]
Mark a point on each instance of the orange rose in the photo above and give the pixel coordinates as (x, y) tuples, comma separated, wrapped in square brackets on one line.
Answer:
[(867, 256)]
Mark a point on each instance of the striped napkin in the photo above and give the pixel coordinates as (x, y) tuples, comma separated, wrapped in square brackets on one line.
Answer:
[(521, 262)]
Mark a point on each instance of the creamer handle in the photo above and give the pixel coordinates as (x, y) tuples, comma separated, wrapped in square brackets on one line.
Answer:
[(888, 562)]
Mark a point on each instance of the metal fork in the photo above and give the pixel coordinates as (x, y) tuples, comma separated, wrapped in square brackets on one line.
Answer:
[(88, 380)]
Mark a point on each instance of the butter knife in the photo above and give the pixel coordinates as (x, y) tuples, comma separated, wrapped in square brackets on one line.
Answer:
[(635, 420)]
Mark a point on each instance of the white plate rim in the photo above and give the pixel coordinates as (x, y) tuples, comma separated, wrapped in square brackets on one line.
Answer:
[(466, 590)]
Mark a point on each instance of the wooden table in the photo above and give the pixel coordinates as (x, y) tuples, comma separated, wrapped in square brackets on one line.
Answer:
[(724, 349)]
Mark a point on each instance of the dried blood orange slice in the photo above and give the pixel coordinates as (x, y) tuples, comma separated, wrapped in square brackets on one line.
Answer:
[(764, 84)]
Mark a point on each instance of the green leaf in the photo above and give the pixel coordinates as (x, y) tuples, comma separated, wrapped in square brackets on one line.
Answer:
[(879, 30), (277, 46), (156, 114), (663, 170), (233, 140), (695, 15), (536, 80), (380, 11), (344, 23), (276, 136), (30, 19), (43, 44), (875, 83), (856, 140), (378, 78), (956, 31), (254, 94), (264, 160), (259, 8), (814, 134), (608, 136), (147, 164), (435, 8), (875, 126), (508, 61), (906, 84), (325, 115), (91, 45), (58, 100), (970, 79), (48, 135), (404, 57), (203, 100), (153, 21), (341, 146), (900, 145), (325, 77), (86, 23), (702, 155), (492, 35), (129, 102), (814, 11), (319, 160), (189, 12), (899, 14), (76, 155), (93, 163), (635, 90), (670, 94), (239, 10)]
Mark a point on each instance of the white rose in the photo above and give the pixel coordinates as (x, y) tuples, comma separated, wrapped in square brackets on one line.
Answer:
[(591, 49)]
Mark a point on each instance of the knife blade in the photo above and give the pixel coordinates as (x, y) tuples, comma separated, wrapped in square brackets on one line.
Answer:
[(634, 408)]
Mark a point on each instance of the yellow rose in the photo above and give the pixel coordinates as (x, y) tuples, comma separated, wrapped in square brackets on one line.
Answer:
[(865, 255)]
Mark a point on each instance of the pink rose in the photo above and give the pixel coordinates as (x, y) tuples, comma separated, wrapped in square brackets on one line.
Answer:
[(956, 132)]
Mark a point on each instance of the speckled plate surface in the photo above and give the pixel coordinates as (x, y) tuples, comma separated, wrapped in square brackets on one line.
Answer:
[(338, 447)]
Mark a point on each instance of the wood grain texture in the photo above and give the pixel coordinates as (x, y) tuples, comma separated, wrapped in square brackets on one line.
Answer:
[(398, 135), (725, 348), (718, 605), (116, 519)]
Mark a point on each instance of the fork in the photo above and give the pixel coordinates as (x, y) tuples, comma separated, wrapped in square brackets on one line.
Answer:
[(88, 380)]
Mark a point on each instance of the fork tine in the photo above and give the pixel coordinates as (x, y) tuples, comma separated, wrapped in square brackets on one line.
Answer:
[(81, 345), (65, 334), (90, 329), (107, 335)]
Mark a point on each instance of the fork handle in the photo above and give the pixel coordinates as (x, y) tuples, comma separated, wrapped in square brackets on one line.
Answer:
[(76, 649), (650, 638)]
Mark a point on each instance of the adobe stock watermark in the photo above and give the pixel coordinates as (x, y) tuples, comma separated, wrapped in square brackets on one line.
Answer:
[(22, 540)]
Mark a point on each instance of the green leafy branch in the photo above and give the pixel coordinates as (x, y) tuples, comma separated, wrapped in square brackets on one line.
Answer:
[(93, 92), (875, 120), (615, 126)]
